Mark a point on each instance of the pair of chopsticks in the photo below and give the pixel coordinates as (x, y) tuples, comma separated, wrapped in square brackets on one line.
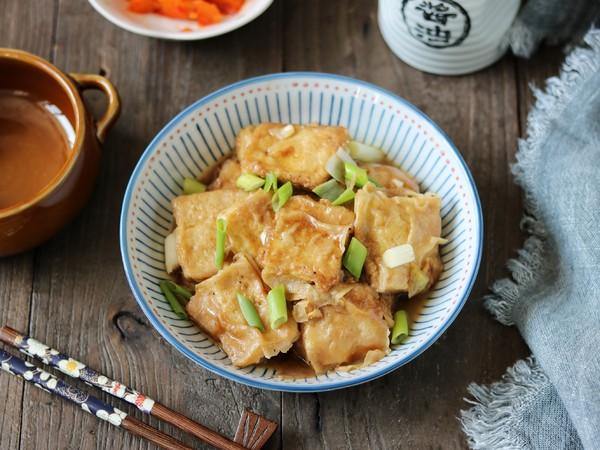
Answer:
[(252, 433)]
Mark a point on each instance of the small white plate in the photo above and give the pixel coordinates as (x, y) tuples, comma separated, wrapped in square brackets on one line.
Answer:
[(158, 26)]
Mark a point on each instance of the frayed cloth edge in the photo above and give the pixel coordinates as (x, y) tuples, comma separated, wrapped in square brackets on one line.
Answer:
[(489, 424), (559, 91)]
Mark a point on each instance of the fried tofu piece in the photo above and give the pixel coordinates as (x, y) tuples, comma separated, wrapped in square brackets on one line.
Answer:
[(349, 333), (196, 217), (227, 176), (304, 249), (300, 157), (214, 307), (394, 180), (384, 222), (247, 224)]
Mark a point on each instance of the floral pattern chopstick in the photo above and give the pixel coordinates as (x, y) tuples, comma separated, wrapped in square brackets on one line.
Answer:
[(75, 369), (90, 404), (49, 383)]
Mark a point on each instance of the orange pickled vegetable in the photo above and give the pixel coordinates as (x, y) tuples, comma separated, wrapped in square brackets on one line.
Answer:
[(205, 12), (228, 6), (143, 6)]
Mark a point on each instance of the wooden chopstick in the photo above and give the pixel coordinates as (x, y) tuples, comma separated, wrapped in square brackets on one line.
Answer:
[(262, 430), (90, 404)]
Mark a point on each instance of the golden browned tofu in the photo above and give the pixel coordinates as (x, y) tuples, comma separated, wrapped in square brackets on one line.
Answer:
[(384, 222), (394, 180), (227, 176), (352, 332), (247, 222), (214, 307), (196, 217), (299, 157), (304, 249)]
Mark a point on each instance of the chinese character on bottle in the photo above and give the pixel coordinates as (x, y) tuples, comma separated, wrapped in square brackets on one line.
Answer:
[(436, 23)]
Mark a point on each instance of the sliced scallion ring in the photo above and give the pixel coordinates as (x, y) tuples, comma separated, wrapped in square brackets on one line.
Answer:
[(221, 236), (335, 164), (165, 287), (181, 291), (192, 186), (278, 314), (344, 197), (249, 182), (400, 329), (270, 182), (354, 257), (249, 312), (282, 195), (330, 190), (354, 173)]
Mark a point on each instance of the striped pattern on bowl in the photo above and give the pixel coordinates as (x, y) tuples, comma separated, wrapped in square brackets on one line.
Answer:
[(205, 132)]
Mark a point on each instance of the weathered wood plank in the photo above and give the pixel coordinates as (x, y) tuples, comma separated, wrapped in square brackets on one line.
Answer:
[(82, 303), (417, 406), (16, 273), (545, 64)]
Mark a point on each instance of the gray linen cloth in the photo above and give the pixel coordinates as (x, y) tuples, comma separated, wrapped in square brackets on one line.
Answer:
[(552, 21), (552, 399)]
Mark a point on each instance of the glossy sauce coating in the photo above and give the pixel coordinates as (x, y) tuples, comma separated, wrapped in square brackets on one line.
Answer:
[(33, 146)]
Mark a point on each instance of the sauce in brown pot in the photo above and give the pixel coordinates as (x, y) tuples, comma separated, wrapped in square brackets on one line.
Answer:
[(35, 139)]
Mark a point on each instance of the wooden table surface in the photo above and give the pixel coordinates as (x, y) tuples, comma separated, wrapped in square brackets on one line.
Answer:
[(72, 293)]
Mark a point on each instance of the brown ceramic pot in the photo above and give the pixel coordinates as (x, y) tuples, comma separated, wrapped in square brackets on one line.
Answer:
[(27, 224)]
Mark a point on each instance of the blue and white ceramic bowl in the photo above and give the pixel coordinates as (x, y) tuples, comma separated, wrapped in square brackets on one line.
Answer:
[(205, 131)]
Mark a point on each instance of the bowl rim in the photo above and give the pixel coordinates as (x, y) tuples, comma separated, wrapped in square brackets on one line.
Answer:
[(268, 385), (213, 31)]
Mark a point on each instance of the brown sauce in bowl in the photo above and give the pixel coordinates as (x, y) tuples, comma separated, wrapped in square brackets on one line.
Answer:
[(35, 140), (290, 365)]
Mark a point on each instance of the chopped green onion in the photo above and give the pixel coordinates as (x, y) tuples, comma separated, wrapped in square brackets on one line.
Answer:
[(354, 173), (170, 296), (192, 186), (344, 197), (419, 281), (221, 235), (375, 182), (249, 312), (249, 182), (282, 195), (400, 329), (335, 164), (330, 190), (181, 291), (364, 152), (354, 258), (270, 182), (278, 314)]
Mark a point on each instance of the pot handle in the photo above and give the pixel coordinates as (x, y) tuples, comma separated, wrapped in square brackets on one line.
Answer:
[(89, 81)]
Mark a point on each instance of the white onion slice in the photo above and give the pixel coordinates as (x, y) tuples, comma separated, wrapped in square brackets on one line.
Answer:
[(335, 164), (398, 256), (344, 156), (283, 132), (171, 261), (364, 152)]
